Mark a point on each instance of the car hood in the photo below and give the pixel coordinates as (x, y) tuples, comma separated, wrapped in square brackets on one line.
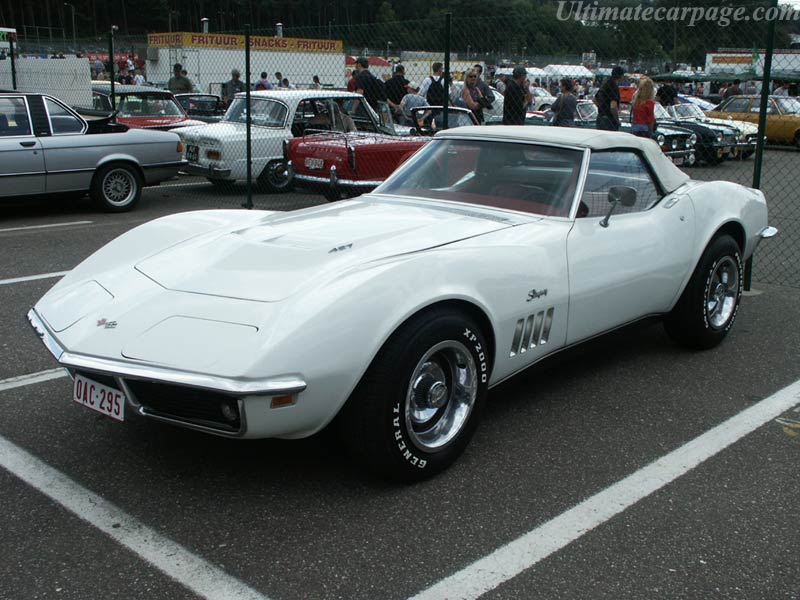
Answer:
[(745, 127), (281, 254)]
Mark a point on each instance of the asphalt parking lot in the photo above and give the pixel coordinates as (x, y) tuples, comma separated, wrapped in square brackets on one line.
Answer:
[(625, 468)]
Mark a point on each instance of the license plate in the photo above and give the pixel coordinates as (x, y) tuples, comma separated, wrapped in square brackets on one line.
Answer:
[(315, 163), (100, 398), (192, 153)]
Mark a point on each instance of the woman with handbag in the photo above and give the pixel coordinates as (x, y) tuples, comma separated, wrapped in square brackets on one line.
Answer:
[(566, 105), (473, 96)]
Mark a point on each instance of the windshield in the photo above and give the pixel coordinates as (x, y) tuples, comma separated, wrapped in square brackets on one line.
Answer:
[(530, 178), (790, 106), (661, 112), (265, 112), (587, 111), (688, 111), (148, 105)]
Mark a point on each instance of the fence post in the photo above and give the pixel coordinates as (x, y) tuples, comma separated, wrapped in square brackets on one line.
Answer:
[(249, 203), (111, 65), (13, 62), (762, 128), (448, 17)]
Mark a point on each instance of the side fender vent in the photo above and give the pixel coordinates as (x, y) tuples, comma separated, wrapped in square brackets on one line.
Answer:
[(532, 331)]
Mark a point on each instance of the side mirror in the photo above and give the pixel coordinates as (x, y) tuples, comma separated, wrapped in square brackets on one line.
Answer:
[(619, 194)]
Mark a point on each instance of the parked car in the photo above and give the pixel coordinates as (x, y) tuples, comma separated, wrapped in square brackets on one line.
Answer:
[(352, 163), (745, 145), (142, 107), (541, 99), (783, 115), (714, 142), (390, 316), (676, 142), (48, 148), (208, 108), (218, 151), (703, 103)]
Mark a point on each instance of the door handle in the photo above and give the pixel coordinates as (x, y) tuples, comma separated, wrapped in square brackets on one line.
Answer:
[(27, 144)]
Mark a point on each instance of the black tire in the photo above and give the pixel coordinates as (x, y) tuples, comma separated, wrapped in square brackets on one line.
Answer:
[(708, 306), (116, 187), (797, 140), (747, 154), (222, 184), (402, 421), (275, 179), (710, 156)]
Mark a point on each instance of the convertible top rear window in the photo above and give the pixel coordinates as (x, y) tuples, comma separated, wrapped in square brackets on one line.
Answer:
[(530, 178)]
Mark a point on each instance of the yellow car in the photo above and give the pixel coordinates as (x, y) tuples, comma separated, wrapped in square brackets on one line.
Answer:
[(783, 115)]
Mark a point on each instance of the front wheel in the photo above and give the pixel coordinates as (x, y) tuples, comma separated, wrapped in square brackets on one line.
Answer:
[(116, 187), (275, 177), (707, 308), (418, 405)]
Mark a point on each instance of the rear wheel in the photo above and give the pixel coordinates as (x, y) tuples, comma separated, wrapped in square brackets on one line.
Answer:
[(707, 308), (797, 140), (116, 187), (275, 177), (417, 407)]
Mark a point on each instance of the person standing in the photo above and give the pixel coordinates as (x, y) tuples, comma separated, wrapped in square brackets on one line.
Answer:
[(565, 106), (432, 88), (369, 86), (733, 90), (517, 98), (232, 87), (667, 96), (473, 95), (179, 84), (396, 89), (315, 83), (487, 92), (781, 90), (411, 101), (607, 101), (643, 112), (500, 84), (138, 79), (263, 83), (125, 78)]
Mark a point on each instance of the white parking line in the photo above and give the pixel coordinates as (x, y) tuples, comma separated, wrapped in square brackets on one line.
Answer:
[(512, 559), (182, 565), (45, 226), (23, 380), (33, 277)]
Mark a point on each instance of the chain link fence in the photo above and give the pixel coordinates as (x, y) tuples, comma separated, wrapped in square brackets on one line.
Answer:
[(246, 102)]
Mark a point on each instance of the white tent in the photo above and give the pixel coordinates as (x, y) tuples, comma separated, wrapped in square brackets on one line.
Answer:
[(537, 72), (576, 71)]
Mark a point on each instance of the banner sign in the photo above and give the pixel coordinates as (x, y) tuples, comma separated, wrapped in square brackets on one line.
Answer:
[(236, 42)]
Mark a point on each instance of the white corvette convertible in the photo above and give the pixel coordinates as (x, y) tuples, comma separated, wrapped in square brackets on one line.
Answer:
[(391, 315)]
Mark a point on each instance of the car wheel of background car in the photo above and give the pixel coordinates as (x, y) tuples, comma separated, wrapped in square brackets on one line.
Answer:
[(747, 154), (797, 140), (222, 184), (116, 187), (275, 177), (708, 306), (419, 402), (710, 156)]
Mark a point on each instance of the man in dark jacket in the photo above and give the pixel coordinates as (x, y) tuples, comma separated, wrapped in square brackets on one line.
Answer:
[(487, 92), (517, 98), (607, 101), (396, 89), (369, 86)]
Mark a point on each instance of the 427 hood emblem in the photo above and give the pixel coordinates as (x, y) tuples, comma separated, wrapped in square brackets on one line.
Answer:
[(108, 324), (534, 294)]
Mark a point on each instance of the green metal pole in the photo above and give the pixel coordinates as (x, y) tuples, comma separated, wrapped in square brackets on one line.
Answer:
[(249, 204), (111, 64), (762, 128), (13, 62), (448, 18)]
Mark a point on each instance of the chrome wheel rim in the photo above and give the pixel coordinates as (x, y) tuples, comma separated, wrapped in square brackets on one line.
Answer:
[(119, 187), (723, 293), (277, 174), (441, 395)]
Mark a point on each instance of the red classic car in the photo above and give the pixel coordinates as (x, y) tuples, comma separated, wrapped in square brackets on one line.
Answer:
[(141, 107), (343, 161)]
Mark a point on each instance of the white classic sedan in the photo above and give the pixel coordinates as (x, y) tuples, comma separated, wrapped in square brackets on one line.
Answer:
[(219, 151), (391, 315)]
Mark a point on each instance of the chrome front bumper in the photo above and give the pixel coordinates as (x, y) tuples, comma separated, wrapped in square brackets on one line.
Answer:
[(123, 370)]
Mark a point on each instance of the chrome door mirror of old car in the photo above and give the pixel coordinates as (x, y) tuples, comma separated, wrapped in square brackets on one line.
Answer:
[(619, 194)]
